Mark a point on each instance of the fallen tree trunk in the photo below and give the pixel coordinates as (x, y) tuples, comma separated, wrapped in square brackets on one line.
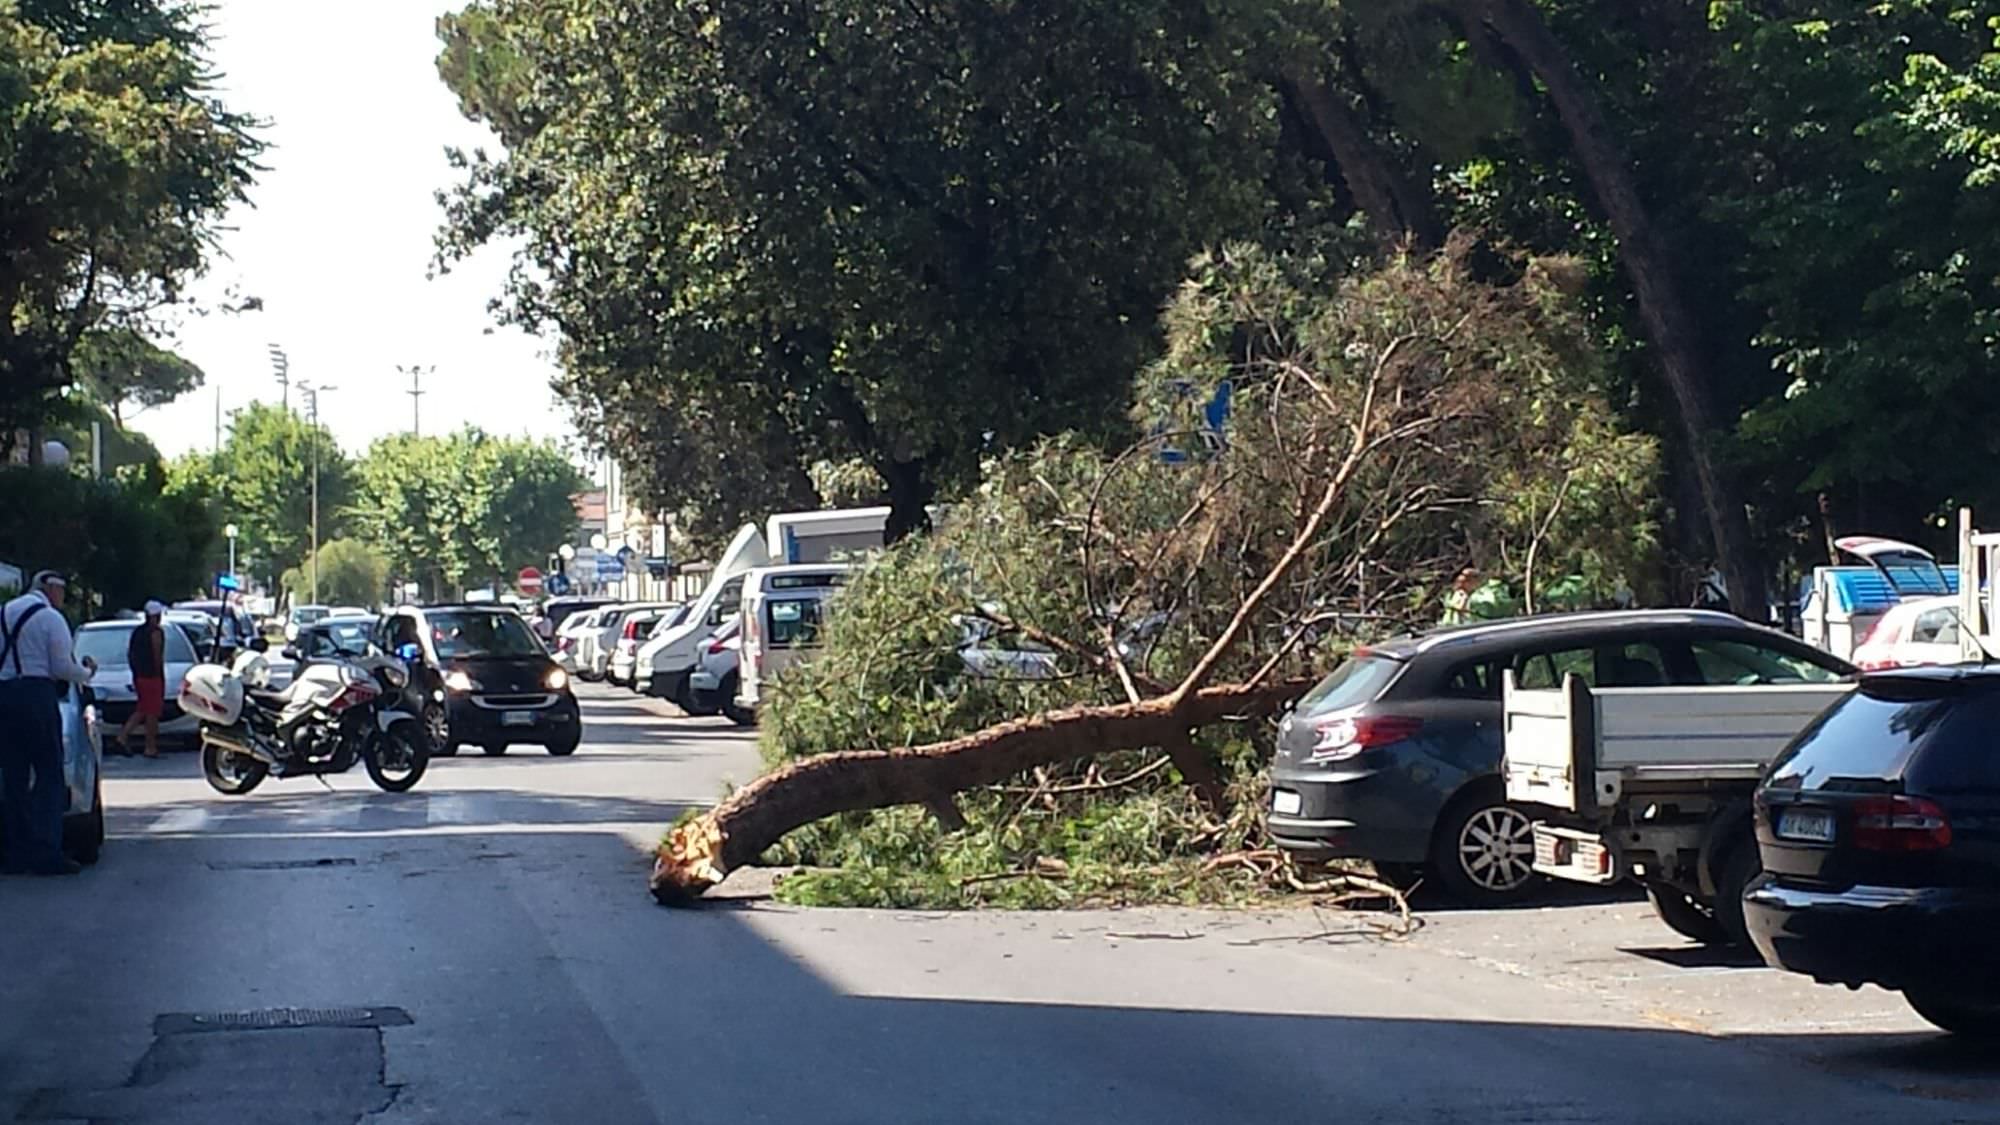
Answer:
[(701, 853)]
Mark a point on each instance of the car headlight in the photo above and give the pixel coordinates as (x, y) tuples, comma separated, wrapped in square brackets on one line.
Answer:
[(459, 681), (558, 679)]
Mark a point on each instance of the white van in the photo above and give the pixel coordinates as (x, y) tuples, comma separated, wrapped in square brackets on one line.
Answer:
[(665, 661), (780, 621)]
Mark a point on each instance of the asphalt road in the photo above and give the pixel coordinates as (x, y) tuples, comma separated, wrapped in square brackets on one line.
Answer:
[(482, 950)]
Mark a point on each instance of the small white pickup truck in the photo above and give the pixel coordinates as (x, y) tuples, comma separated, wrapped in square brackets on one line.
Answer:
[(1653, 784)]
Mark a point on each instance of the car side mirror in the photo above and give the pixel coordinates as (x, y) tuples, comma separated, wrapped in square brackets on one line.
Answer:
[(259, 644), (289, 653)]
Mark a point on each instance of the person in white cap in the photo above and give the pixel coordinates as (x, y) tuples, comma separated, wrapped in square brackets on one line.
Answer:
[(146, 655), (36, 660)]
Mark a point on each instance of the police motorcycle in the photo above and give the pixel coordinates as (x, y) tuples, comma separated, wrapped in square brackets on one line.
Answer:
[(330, 716)]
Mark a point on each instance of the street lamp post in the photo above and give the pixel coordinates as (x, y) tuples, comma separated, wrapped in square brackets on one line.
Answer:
[(229, 530), (312, 394)]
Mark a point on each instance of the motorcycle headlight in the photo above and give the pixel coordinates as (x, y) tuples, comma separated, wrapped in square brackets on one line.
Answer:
[(558, 679), (459, 681)]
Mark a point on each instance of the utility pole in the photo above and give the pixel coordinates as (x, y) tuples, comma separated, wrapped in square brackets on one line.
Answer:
[(218, 418), (281, 366), (416, 372), (312, 394)]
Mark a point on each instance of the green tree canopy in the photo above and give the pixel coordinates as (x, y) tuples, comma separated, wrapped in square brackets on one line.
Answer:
[(117, 162), (261, 480), (350, 573), (466, 507), (911, 234)]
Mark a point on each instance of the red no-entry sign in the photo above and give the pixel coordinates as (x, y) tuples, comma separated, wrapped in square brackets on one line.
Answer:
[(530, 580)]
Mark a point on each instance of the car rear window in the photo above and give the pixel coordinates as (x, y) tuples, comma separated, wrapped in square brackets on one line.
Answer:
[(1360, 679), (1961, 755), (1865, 739)]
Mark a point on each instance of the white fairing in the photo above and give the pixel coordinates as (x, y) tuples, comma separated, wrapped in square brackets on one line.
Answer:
[(213, 693), (253, 669)]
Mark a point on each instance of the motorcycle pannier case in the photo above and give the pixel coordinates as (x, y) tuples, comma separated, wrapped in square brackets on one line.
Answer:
[(212, 694)]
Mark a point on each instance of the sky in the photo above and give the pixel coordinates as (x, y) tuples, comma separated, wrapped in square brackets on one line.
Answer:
[(337, 238)]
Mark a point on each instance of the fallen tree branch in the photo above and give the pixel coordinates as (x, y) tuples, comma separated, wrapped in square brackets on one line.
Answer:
[(701, 853)]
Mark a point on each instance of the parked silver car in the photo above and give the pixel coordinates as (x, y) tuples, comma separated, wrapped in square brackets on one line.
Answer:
[(106, 642)]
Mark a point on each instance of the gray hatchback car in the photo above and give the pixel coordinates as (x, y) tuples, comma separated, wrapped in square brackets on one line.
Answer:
[(1395, 756)]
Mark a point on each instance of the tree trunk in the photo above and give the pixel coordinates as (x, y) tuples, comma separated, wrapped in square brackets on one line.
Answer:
[(701, 853), (1396, 211), (910, 494), (1662, 307)]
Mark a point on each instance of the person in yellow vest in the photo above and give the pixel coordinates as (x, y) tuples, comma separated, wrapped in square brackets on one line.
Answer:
[(1458, 603)]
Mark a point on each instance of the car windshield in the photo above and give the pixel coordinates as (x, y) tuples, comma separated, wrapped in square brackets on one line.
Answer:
[(106, 644), (482, 633), (200, 630), (307, 614)]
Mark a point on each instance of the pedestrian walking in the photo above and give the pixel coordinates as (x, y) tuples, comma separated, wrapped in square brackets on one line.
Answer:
[(146, 655), (36, 661)]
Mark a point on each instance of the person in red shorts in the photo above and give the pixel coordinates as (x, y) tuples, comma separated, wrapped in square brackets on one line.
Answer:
[(146, 655)]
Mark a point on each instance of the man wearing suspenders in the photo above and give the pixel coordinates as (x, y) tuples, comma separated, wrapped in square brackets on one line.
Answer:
[(36, 659)]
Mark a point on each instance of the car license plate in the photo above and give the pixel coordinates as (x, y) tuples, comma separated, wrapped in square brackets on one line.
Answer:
[(1806, 824), (1285, 802), (517, 719)]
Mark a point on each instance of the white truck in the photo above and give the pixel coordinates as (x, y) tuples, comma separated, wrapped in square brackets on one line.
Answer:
[(1653, 784), (666, 662)]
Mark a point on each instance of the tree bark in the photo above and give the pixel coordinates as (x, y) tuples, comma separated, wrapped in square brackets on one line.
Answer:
[(1396, 211), (701, 853), (910, 494), (1662, 305)]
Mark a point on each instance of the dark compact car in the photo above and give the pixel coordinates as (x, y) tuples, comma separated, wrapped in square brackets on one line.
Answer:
[(1879, 831), (1395, 756), (500, 686)]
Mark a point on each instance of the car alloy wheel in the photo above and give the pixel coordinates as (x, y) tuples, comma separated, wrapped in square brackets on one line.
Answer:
[(1496, 849)]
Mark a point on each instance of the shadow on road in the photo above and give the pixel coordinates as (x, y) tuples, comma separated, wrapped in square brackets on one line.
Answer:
[(313, 810), (542, 946)]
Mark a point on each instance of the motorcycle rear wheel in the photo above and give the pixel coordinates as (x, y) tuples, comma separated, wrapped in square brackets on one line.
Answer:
[(398, 760), (229, 773)]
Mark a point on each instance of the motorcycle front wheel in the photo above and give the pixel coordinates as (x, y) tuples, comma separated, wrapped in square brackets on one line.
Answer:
[(399, 759), (230, 773)]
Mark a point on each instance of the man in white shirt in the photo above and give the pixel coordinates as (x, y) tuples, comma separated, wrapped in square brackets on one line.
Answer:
[(36, 660)]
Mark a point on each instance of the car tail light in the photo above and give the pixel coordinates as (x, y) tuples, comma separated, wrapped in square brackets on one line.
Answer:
[(1900, 824), (1345, 737), (631, 630), (716, 646)]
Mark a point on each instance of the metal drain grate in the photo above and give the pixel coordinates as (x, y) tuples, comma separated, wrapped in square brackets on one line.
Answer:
[(281, 864), (277, 1019)]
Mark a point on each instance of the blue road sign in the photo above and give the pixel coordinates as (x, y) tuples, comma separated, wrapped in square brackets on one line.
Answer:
[(610, 568), (227, 582), (557, 584)]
